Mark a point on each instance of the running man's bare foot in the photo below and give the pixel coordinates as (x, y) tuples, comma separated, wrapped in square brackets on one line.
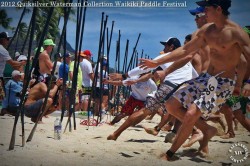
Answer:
[(166, 127), (112, 137), (228, 135), (151, 131), (206, 137), (203, 154), (164, 156), (193, 139)]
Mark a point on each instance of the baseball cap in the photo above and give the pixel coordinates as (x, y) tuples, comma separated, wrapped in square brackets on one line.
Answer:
[(81, 53), (58, 55), (105, 57), (16, 73), (224, 4), (41, 49), (4, 35), (197, 10), (17, 54), (68, 55), (48, 42), (87, 53), (172, 41), (22, 58)]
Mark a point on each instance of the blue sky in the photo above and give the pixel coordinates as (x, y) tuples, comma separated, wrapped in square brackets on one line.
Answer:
[(154, 23)]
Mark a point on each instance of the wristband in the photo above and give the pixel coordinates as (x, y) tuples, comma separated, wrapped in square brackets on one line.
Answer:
[(124, 77), (169, 153)]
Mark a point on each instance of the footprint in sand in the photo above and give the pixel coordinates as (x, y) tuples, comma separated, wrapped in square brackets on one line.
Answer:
[(64, 151), (125, 155), (151, 151), (42, 130), (83, 154)]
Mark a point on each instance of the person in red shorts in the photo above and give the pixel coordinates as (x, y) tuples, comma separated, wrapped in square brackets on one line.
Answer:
[(137, 98)]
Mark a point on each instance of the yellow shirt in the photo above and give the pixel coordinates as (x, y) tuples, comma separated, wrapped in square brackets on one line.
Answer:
[(79, 76)]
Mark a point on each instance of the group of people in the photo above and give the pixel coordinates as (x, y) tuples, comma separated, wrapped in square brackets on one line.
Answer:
[(42, 76), (186, 85), (219, 51)]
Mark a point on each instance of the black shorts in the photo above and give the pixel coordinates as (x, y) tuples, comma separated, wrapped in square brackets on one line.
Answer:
[(33, 110)]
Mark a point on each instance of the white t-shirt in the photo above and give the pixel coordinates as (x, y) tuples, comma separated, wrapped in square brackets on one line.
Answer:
[(104, 75), (4, 56), (57, 69), (86, 68), (178, 76), (141, 90)]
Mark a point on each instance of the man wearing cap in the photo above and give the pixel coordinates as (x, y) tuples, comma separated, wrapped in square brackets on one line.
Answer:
[(45, 64), (87, 76), (36, 97), (200, 60), (104, 89), (227, 41), (79, 81), (64, 68), (64, 74), (41, 50), (17, 54), (155, 101), (13, 89), (22, 58), (58, 64), (5, 58)]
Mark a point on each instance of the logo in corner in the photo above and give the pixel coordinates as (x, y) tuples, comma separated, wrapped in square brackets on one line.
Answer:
[(238, 153)]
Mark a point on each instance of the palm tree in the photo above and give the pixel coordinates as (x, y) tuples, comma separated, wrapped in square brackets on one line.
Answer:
[(4, 20), (18, 25), (53, 29), (22, 32)]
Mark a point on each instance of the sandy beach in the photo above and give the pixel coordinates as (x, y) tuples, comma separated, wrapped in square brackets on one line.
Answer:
[(87, 146)]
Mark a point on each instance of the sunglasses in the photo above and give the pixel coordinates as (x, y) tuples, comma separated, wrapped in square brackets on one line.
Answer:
[(199, 15)]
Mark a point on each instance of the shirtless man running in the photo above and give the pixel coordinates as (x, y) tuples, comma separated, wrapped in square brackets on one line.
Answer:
[(227, 41)]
